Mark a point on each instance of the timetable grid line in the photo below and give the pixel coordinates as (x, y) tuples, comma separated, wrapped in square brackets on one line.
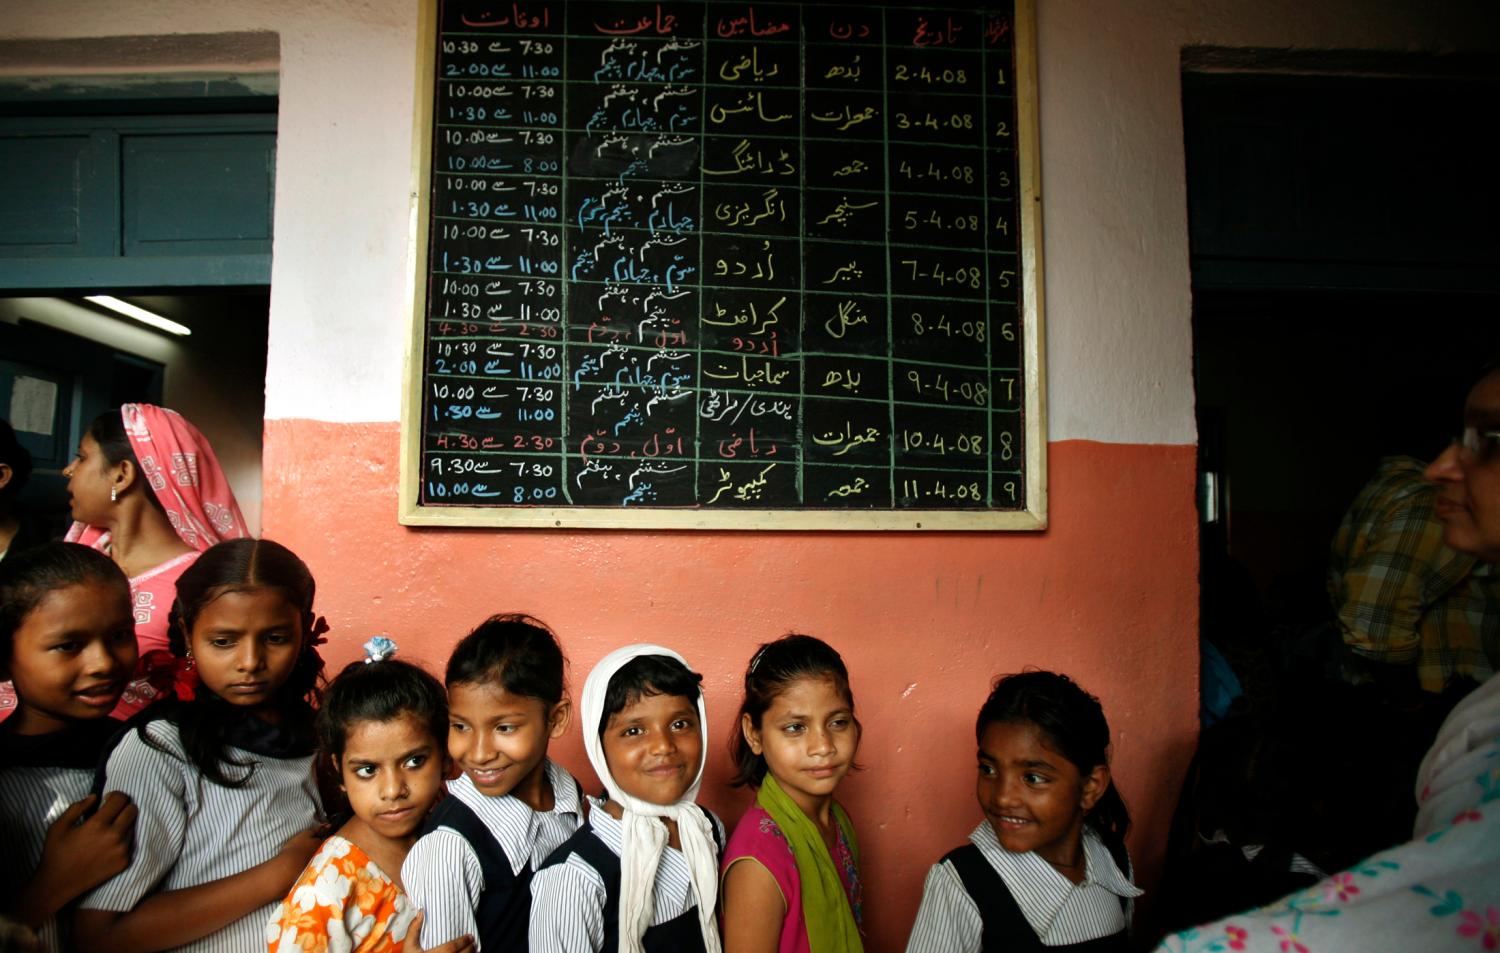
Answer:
[(738, 391), (697, 419), (564, 294), (512, 452), (989, 348), (787, 356), (801, 420), (890, 305), (698, 459), (698, 134), (764, 183), (773, 289), (717, 234)]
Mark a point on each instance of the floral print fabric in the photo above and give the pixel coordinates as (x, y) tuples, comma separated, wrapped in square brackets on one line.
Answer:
[(1438, 892), (342, 903)]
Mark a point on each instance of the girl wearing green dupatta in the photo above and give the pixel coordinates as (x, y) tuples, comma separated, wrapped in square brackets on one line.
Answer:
[(791, 869)]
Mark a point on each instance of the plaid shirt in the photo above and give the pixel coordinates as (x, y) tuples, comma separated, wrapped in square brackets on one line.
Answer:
[(1402, 596)]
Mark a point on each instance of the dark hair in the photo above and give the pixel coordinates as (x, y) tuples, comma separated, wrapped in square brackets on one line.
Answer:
[(15, 456), (515, 651), (378, 691), (773, 669), (242, 565), (28, 576), (648, 675), (108, 431), (1073, 722)]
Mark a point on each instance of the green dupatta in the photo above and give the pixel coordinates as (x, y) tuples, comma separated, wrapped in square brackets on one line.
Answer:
[(825, 905)]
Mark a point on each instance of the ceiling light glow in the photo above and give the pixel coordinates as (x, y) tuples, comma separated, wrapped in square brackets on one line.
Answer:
[(139, 314)]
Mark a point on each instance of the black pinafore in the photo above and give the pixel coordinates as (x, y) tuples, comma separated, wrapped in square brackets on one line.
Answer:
[(1005, 926), (504, 911), (681, 934)]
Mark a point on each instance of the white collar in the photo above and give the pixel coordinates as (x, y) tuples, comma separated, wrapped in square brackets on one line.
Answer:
[(1030, 876), (512, 822)]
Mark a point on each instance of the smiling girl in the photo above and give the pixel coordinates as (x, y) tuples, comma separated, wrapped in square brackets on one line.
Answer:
[(225, 780), (471, 869), (67, 640), (1047, 867), (641, 874)]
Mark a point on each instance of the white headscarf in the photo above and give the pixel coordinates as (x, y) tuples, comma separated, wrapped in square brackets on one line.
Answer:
[(644, 837)]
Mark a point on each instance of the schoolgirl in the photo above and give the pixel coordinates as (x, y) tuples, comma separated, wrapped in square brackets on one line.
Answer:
[(791, 870), (224, 782), (1047, 868), (511, 805), (382, 731), (642, 873), (68, 641)]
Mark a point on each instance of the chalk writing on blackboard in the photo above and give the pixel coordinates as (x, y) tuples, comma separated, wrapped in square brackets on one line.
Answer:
[(723, 256)]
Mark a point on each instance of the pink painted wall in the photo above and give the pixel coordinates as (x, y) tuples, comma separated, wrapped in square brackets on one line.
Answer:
[(1107, 594)]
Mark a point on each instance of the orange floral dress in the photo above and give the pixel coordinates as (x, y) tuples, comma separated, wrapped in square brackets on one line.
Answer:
[(342, 903)]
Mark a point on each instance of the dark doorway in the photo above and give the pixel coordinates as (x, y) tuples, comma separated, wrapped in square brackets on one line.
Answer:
[(1346, 284), (66, 361)]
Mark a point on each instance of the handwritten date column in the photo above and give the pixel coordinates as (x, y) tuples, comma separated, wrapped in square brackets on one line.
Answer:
[(493, 361), (633, 208), (939, 284)]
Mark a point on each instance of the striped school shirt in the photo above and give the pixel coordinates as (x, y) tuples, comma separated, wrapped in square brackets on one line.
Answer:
[(567, 899), (31, 798), (191, 831), (441, 857), (1059, 911)]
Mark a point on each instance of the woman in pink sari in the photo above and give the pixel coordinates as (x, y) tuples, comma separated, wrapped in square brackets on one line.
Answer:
[(147, 489)]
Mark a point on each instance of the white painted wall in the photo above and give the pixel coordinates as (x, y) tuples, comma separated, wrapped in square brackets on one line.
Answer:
[(220, 400), (1115, 219)]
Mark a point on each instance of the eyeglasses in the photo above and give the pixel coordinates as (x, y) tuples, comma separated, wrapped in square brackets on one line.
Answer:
[(1482, 446)]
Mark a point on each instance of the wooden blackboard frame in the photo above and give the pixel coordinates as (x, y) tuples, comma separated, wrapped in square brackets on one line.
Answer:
[(1034, 517)]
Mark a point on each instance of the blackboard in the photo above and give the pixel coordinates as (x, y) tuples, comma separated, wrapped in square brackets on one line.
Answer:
[(725, 265)]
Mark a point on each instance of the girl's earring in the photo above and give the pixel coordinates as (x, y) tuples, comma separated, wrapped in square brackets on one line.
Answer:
[(114, 494)]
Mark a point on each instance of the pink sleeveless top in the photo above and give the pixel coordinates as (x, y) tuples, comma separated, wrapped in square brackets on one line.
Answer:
[(757, 837)]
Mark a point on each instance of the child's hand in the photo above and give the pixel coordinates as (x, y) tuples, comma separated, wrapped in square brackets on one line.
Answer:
[(89, 853), (464, 944), (77, 857), (283, 870)]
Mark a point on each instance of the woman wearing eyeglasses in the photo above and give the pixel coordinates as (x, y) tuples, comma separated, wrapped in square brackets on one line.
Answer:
[(1468, 474)]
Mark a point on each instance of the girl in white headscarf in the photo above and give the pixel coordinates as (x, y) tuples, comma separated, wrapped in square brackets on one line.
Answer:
[(642, 873)]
